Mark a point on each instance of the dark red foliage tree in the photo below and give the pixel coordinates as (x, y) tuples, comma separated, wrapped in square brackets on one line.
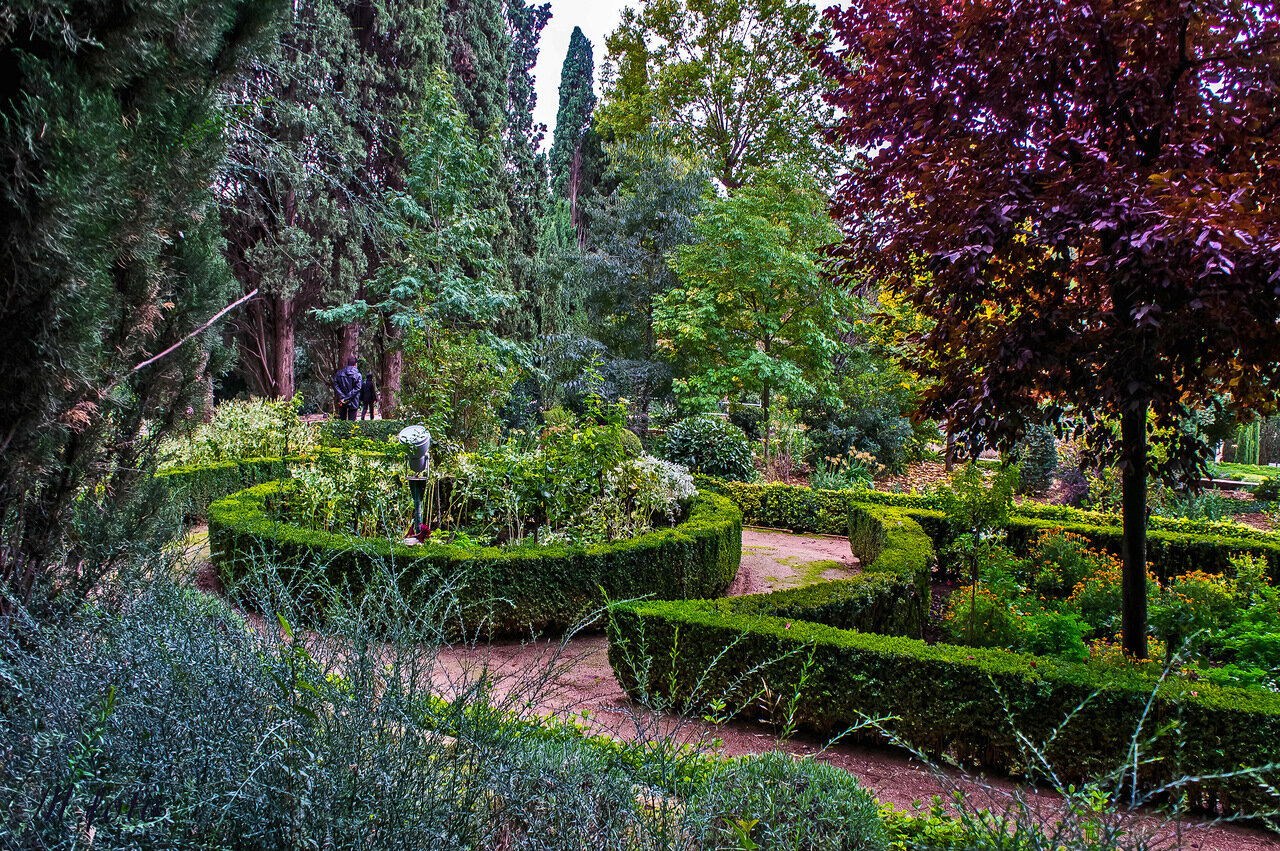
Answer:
[(1084, 198)]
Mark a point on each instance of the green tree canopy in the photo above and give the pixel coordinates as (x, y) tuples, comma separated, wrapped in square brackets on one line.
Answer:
[(755, 310), (728, 75)]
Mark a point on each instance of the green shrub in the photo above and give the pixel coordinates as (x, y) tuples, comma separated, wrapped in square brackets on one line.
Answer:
[(711, 446), (1268, 490), (1036, 456), (241, 430), (498, 589), (777, 801), (1059, 634), (631, 445)]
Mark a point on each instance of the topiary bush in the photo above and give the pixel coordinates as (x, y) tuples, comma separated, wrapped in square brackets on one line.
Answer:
[(709, 445)]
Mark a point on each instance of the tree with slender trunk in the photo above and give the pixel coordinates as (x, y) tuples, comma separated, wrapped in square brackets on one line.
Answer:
[(1093, 190)]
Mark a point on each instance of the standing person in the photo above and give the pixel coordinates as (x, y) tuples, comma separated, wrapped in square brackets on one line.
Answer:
[(346, 383), (368, 395)]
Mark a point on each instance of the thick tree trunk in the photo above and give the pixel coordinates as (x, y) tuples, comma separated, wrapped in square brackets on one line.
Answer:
[(949, 454), (391, 365), (348, 343), (1133, 486), (282, 349)]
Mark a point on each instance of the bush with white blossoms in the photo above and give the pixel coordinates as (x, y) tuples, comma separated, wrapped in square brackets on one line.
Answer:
[(663, 488)]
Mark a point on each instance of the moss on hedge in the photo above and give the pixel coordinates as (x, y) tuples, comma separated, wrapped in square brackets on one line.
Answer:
[(498, 589)]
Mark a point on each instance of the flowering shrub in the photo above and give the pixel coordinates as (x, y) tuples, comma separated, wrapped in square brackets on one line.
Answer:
[(259, 428), (355, 494), (570, 485), (1064, 600)]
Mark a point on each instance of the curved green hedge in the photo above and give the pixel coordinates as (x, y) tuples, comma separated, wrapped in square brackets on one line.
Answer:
[(845, 651), (1173, 546), (195, 487), (961, 702), (500, 589)]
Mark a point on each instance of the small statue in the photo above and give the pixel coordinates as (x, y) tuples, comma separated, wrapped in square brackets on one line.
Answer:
[(417, 446)]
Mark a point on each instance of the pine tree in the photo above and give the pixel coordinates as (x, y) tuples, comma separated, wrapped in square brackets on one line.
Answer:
[(109, 136)]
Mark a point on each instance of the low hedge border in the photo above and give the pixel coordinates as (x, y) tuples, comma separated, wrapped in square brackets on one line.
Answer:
[(195, 487), (952, 701), (500, 590), (1173, 547)]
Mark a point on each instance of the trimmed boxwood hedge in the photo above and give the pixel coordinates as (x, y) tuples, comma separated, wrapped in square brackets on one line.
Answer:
[(947, 700), (845, 650), (500, 589), (195, 487), (1174, 547)]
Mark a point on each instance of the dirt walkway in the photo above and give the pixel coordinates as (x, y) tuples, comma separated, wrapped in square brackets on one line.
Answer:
[(572, 677)]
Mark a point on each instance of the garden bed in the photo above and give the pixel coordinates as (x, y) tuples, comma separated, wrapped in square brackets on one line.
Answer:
[(842, 654), (498, 590)]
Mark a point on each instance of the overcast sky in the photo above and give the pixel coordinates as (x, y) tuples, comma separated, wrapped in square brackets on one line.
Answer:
[(597, 18)]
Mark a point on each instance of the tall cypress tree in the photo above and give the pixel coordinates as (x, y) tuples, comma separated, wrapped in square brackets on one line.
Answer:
[(573, 118), (295, 215), (109, 135), (311, 171), (526, 178)]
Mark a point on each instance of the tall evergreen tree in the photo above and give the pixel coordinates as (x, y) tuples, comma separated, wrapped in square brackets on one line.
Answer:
[(526, 166), (573, 118), (109, 135), (402, 42), (312, 168), (295, 213)]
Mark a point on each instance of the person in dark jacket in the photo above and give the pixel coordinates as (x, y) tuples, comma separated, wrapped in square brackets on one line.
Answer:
[(368, 395), (346, 383)]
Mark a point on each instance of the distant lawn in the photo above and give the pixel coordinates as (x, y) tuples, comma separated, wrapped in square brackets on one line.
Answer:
[(1244, 472)]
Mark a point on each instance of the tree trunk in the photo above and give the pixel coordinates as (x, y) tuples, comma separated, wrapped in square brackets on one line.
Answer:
[(391, 365), (949, 454), (1133, 486), (282, 349), (575, 186), (348, 343), (764, 410)]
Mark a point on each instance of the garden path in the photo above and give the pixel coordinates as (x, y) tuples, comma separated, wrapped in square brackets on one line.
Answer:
[(572, 676)]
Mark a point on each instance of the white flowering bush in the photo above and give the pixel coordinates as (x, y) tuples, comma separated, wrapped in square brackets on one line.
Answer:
[(663, 488), (258, 428)]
